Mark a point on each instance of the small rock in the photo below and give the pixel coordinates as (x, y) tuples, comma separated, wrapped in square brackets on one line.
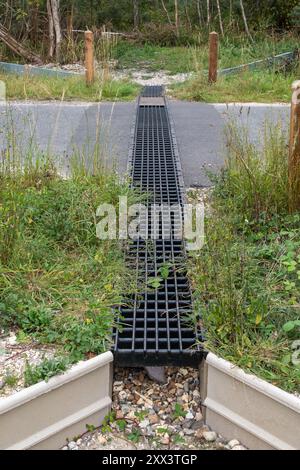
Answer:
[(198, 416), (197, 425), (125, 409), (153, 419), (65, 448), (119, 414), (189, 432), (184, 372), (189, 415), (122, 395), (144, 424), (199, 433), (165, 440), (118, 383), (186, 424), (157, 374), (79, 442), (12, 339), (233, 443), (210, 436), (102, 440), (185, 398), (239, 447), (72, 445)]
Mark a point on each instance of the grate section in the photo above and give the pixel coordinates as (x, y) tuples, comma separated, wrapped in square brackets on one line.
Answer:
[(155, 330), (152, 91)]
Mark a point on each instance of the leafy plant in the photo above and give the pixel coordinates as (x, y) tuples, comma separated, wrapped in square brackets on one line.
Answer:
[(45, 370), (179, 411), (291, 326), (155, 282), (121, 423), (135, 435)]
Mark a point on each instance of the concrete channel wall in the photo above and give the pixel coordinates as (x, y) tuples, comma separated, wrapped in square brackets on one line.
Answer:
[(47, 414), (242, 406)]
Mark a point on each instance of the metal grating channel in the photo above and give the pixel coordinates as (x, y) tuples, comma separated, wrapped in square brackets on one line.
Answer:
[(155, 330)]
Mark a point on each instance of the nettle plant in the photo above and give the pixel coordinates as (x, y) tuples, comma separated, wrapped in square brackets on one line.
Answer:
[(291, 269)]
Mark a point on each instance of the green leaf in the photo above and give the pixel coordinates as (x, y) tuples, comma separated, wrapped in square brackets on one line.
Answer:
[(155, 282), (121, 425), (289, 326), (286, 359)]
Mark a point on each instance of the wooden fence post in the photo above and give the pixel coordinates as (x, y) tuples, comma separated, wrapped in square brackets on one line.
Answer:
[(213, 57), (294, 151), (89, 57)]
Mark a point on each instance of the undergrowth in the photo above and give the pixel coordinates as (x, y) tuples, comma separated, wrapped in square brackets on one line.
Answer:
[(73, 88), (59, 283), (247, 276)]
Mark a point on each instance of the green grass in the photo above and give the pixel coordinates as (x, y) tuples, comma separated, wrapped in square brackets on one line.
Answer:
[(260, 86), (59, 283), (74, 88), (154, 58), (246, 278), (233, 52)]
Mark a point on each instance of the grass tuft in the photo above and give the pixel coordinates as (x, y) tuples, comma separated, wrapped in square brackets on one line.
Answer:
[(29, 87)]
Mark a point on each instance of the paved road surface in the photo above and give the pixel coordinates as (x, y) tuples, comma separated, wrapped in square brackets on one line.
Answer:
[(62, 129)]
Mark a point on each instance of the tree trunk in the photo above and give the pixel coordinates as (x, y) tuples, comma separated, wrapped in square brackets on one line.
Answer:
[(220, 18), (208, 12), (176, 17), (199, 12), (187, 14), (245, 20), (230, 12), (54, 29), (18, 48), (70, 23), (136, 14), (166, 11)]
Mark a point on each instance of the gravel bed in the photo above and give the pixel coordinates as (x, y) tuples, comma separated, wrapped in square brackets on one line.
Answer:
[(13, 359), (141, 77), (147, 415)]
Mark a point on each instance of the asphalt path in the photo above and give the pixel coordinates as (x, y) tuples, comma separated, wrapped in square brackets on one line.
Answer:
[(103, 130)]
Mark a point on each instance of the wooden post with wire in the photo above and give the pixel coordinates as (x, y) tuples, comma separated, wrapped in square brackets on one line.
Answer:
[(213, 57), (89, 57), (294, 150)]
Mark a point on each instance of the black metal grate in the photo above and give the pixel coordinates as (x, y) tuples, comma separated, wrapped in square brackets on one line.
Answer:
[(155, 330)]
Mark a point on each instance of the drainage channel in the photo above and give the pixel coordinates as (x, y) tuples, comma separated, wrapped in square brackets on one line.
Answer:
[(154, 326)]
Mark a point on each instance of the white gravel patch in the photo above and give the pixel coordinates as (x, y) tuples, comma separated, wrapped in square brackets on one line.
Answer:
[(13, 359)]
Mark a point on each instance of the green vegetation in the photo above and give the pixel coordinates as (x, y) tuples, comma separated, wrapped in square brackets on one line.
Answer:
[(45, 370), (58, 281), (247, 280), (265, 85), (10, 379), (52, 88), (259, 86), (235, 50)]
